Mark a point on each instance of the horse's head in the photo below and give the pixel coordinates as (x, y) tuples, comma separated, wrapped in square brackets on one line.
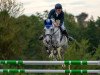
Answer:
[(48, 30)]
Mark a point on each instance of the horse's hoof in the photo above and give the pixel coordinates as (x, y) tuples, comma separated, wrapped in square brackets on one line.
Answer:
[(55, 52), (48, 52), (64, 66), (54, 59)]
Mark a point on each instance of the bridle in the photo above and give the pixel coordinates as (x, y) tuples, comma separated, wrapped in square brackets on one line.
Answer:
[(51, 35)]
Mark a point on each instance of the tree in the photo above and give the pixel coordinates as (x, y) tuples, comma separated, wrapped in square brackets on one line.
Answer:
[(11, 6), (81, 19), (98, 22), (8, 28)]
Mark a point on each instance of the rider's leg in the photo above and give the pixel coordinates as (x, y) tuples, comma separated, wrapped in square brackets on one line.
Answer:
[(64, 31)]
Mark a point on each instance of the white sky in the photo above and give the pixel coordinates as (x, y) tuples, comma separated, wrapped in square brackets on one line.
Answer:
[(92, 7)]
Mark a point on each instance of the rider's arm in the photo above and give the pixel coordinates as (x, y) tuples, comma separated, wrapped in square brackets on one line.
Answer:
[(62, 18), (50, 14)]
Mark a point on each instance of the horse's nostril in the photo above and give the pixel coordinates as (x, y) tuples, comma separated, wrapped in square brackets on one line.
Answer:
[(48, 41)]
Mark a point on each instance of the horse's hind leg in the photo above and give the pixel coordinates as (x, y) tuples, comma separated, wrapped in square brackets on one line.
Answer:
[(63, 52), (59, 53)]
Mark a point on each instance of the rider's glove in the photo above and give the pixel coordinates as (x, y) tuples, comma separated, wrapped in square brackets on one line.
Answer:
[(55, 24)]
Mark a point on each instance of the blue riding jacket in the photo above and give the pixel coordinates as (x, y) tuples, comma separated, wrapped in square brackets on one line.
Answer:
[(52, 14)]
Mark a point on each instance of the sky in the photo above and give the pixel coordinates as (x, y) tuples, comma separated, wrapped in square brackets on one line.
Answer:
[(75, 7)]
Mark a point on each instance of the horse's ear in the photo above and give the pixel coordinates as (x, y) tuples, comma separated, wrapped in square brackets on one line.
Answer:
[(45, 22), (50, 21)]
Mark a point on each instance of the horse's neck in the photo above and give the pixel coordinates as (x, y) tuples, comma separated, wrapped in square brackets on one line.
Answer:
[(57, 32)]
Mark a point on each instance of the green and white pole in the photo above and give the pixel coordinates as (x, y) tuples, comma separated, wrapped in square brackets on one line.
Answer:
[(47, 71), (75, 62)]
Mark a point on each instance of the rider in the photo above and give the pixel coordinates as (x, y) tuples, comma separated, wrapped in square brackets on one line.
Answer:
[(58, 14)]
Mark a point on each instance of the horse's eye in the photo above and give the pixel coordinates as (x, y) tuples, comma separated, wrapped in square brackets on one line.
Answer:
[(51, 29)]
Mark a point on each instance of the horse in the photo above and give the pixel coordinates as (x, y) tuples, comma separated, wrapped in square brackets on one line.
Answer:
[(55, 42)]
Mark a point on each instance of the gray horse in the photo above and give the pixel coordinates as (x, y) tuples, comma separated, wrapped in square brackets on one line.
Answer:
[(55, 42)]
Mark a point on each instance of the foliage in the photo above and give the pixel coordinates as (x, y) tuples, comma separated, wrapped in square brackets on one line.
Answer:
[(19, 39)]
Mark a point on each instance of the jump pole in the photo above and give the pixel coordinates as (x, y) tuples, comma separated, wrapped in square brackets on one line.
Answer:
[(46, 71), (75, 62)]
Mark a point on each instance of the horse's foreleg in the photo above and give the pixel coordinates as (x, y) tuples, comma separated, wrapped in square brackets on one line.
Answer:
[(47, 50), (55, 51)]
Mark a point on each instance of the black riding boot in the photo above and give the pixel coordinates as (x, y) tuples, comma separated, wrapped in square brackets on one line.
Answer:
[(65, 33)]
